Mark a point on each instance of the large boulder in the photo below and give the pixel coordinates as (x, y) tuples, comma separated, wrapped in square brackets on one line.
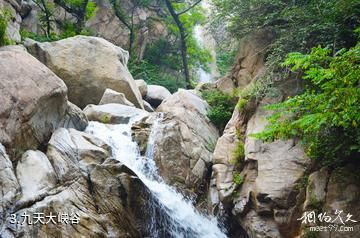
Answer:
[(88, 66), (9, 185), (74, 118), (156, 94), (78, 178), (113, 113), (142, 85), (42, 177), (13, 25), (185, 140), (111, 96), (33, 102)]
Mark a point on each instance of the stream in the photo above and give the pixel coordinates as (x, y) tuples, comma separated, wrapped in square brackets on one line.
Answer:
[(185, 221)]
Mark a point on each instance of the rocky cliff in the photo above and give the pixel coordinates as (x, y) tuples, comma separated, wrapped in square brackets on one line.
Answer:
[(272, 185)]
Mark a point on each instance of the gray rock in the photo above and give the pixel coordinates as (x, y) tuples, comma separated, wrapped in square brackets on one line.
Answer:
[(185, 141), (74, 118), (9, 185), (142, 85), (88, 66), (114, 113), (33, 102), (156, 94), (148, 107), (35, 174), (111, 96)]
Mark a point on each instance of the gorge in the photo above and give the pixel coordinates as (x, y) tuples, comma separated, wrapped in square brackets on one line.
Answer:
[(102, 136)]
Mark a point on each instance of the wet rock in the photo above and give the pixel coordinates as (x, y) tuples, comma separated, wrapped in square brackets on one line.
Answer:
[(113, 113)]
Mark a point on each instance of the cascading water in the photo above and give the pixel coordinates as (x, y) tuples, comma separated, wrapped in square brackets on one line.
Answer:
[(184, 220)]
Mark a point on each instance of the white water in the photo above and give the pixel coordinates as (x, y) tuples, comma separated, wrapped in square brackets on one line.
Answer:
[(205, 40), (185, 220)]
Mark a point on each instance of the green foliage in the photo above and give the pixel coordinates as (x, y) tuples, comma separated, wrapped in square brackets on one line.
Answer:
[(224, 60), (238, 179), (154, 74), (299, 25), (90, 10), (311, 234), (238, 154), (222, 106), (241, 104), (315, 205), (5, 16), (303, 182), (67, 30), (327, 115)]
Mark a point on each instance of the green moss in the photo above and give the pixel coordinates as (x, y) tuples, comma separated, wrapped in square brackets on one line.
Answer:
[(238, 179), (241, 104), (303, 182), (311, 234), (315, 204), (105, 118), (5, 16), (238, 154)]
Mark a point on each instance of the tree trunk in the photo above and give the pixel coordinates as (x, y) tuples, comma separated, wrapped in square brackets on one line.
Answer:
[(183, 46)]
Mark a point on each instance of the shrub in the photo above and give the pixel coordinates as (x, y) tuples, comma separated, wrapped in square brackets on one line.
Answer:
[(5, 16), (327, 115), (224, 60), (238, 154), (153, 74), (238, 179), (221, 107)]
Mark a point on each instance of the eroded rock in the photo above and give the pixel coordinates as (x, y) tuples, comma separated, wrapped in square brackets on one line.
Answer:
[(33, 102)]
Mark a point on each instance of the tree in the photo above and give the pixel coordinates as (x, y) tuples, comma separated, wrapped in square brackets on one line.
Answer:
[(82, 10), (327, 115), (46, 16), (183, 34), (299, 25)]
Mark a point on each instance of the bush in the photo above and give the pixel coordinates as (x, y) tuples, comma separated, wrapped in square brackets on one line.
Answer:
[(238, 155), (5, 16), (238, 179), (221, 107), (153, 74), (327, 115), (224, 60)]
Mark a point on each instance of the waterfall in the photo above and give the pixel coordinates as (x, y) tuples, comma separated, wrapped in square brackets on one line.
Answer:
[(185, 221), (206, 40)]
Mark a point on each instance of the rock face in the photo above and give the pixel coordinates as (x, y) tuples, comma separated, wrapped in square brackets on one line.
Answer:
[(74, 118), (249, 63), (185, 141), (43, 176), (156, 94), (9, 185), (142, 85), (33, 102), (72, 178), (113, 113), (88, 66), (13, 27), (111, 96)]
